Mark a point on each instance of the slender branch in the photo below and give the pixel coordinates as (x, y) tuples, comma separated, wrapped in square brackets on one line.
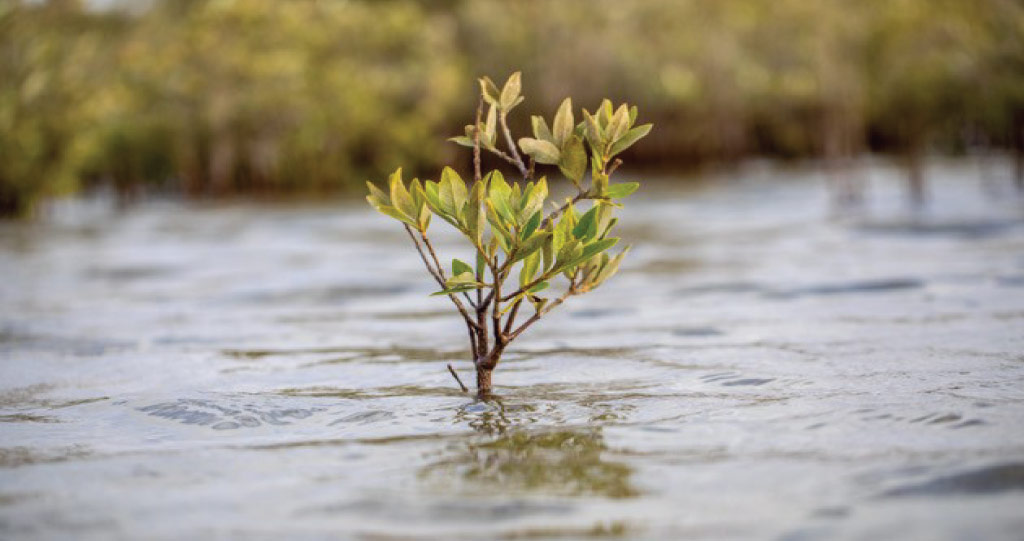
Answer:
[(512, 146), (439, 273), (615, 165), (457, 379), (555, 213), (526, 287), (540, 313), (430, 269), (496, 309), (510, 320), (501, 154), (476, 140)]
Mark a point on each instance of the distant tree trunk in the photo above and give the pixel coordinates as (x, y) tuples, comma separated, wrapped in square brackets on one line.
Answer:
[(1018, 152), (838, 131), (915, 172)]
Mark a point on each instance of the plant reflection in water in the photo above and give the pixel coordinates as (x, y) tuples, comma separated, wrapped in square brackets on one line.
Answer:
[(504, 457)]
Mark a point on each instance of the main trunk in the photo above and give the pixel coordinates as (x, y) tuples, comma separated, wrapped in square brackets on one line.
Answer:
[(483, 380)]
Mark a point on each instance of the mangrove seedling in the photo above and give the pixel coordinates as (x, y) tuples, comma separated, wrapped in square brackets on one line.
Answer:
[(523, 250)]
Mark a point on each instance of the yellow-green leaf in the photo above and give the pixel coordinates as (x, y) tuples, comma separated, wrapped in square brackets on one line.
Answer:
[(617, 191), (630, 137), (563, 124), (541, 151), (573, 161)]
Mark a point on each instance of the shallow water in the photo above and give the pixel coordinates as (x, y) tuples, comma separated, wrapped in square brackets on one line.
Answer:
[(760, 369)]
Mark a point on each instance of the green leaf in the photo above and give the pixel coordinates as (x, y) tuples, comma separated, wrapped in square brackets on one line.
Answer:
[(400, 197), (534, 201), (541, 151), (632, 115), (459, 267), (597, 247), (594, 132), (489, 90), (586, 228), (456, 289), (377, 193), (458, 188), (629, 138), (618, 191), (510, 93), (573, 162), (539, 287), (423, 220), (481, 263), (605, 113), (569, 251), (540, 129), (490, 129), (462, 140), (501, 232), (618, 124), (610, 268), (474, 218), (529, 270), (562, 127), (531, 225), (394, 213), (548, 252), (531, 245)]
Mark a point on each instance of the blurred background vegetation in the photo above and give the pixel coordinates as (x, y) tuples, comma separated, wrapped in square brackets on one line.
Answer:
[(218, 97)]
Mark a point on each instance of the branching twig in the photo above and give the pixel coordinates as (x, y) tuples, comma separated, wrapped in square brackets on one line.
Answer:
[(438, 274), (555, 213), (510, 320), (533, 319), (512, 147)]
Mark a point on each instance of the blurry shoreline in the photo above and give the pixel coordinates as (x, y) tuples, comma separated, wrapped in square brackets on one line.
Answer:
[(271, 99)]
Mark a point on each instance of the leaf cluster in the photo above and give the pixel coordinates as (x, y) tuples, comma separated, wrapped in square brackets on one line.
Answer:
[(519, 235)]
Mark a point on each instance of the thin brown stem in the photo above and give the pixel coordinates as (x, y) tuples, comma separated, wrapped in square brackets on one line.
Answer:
[(476, 140), (439, 273), (423, 256), (615, 165), (512, 146), (501, 154), (457, 379), (540, 313), (525, 288), (555, 213), (510, 320)]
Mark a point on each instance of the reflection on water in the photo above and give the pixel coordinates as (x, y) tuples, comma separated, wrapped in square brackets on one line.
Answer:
[(756, 371), (554, 463)]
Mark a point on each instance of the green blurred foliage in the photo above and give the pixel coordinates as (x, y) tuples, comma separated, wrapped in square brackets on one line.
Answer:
[(228, 96)]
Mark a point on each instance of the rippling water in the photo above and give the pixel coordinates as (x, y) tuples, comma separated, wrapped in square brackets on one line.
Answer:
[(758, 370)]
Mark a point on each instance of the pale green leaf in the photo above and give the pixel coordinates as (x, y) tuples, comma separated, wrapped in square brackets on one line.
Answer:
[(510, 92), (573, 162), (541, 151), (618, 191), (629, 138), (562, 127)]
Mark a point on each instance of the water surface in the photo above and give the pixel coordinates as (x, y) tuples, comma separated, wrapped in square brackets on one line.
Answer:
[(760, 369)]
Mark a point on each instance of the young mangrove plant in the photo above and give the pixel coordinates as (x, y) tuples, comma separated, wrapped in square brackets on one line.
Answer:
[(521, 247)]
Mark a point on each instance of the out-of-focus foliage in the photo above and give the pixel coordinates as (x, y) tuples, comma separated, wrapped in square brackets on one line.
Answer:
[(224, 96), (220, 96)]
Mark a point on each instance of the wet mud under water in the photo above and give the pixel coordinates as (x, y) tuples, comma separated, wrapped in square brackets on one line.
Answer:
[(760, 369)]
